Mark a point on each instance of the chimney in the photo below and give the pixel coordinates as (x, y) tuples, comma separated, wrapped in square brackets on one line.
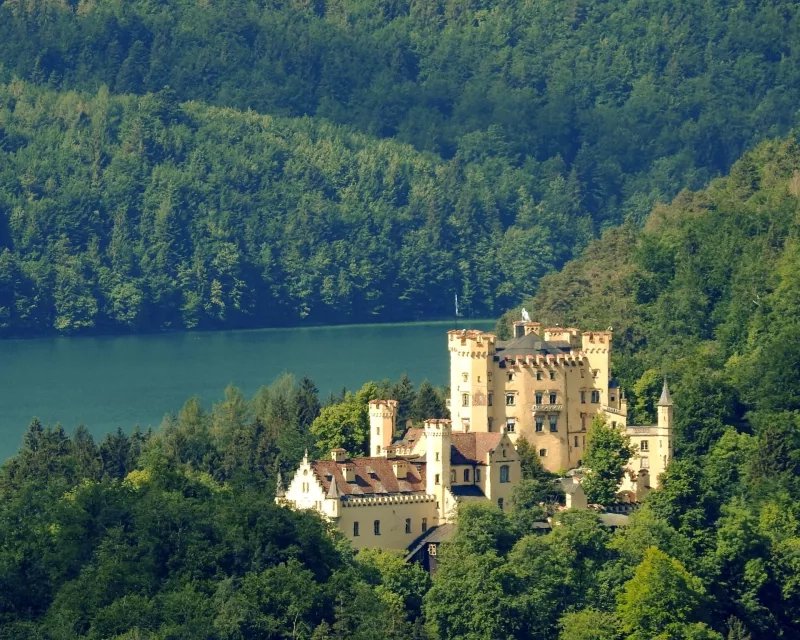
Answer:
[(349, 472), (400, 469), (339, 455)]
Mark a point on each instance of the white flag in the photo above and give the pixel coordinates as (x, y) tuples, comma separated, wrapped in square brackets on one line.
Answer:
[(456, 305)]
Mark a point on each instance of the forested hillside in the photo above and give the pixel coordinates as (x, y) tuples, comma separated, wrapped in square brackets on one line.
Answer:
[(708, 293), (545, 124), (123, 213)]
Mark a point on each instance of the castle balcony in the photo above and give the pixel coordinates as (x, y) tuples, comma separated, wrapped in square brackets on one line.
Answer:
[(617, 412), (547, 408)]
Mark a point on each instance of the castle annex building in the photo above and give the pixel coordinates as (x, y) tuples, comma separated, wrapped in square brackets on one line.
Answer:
[(408, 486)]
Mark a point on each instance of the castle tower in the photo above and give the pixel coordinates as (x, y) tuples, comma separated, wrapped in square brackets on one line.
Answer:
[(665, 435), (470, 357), (596, 346), (437, 461), (665, 408), (382, 422)]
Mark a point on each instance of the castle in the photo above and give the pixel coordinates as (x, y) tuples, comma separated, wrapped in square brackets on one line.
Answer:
[(544, 384)]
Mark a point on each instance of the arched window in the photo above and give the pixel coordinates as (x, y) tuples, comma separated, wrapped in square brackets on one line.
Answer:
[(504, 473), (377, 527), (466, 475)]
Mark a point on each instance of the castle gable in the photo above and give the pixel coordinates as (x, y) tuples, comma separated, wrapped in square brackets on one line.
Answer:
[(472, 448)]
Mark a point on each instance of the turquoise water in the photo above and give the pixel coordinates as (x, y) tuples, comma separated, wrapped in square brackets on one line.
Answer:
[(111, 382)]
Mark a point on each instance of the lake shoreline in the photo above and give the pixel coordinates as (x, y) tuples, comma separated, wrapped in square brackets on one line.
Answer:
[(50, 335)]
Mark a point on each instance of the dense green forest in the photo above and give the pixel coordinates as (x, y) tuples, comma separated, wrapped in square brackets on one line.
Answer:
[(519, 131)]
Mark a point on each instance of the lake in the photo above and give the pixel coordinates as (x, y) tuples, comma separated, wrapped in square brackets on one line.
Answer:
[(122, 381)]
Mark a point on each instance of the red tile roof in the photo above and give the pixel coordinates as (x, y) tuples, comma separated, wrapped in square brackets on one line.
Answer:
[(373, 476), (471, 448)]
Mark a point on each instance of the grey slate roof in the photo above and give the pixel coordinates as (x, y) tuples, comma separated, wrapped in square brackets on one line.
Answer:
[(532, 344), (665, 400), (467, 490), (434, 535)]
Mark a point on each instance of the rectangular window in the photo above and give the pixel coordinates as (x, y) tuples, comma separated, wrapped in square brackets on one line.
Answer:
[(552, 375), (511, 424), (511, 398), (408, 525), (542, 453), (436, 479), (583, 397), (437, 456), (355, 529), (491, 424), (477, 475), (645, 463), (583, 373), (613, 424), (583, 422), (465, 376), (538, 398), (538, 375), (489, 376), (500, 503), (491, 399), (553, 423), (464, 399), (424, 525), (505, 474), (576, 442), (511, 377), (595, 396), (552, 398), (539, 424), (466, 475), (377, 527), (645, 446)]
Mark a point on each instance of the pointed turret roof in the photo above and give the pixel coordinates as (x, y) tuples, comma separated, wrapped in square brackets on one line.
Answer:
[(665, 400), (333, 490)]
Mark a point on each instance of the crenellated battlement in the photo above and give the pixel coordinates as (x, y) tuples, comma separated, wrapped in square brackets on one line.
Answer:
[(394, 499), (438, 426)]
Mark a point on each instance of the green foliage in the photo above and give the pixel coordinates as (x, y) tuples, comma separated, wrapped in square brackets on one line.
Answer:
[(660, 598), (428, 404), (345, 425), (589, 624), (608, 450)]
